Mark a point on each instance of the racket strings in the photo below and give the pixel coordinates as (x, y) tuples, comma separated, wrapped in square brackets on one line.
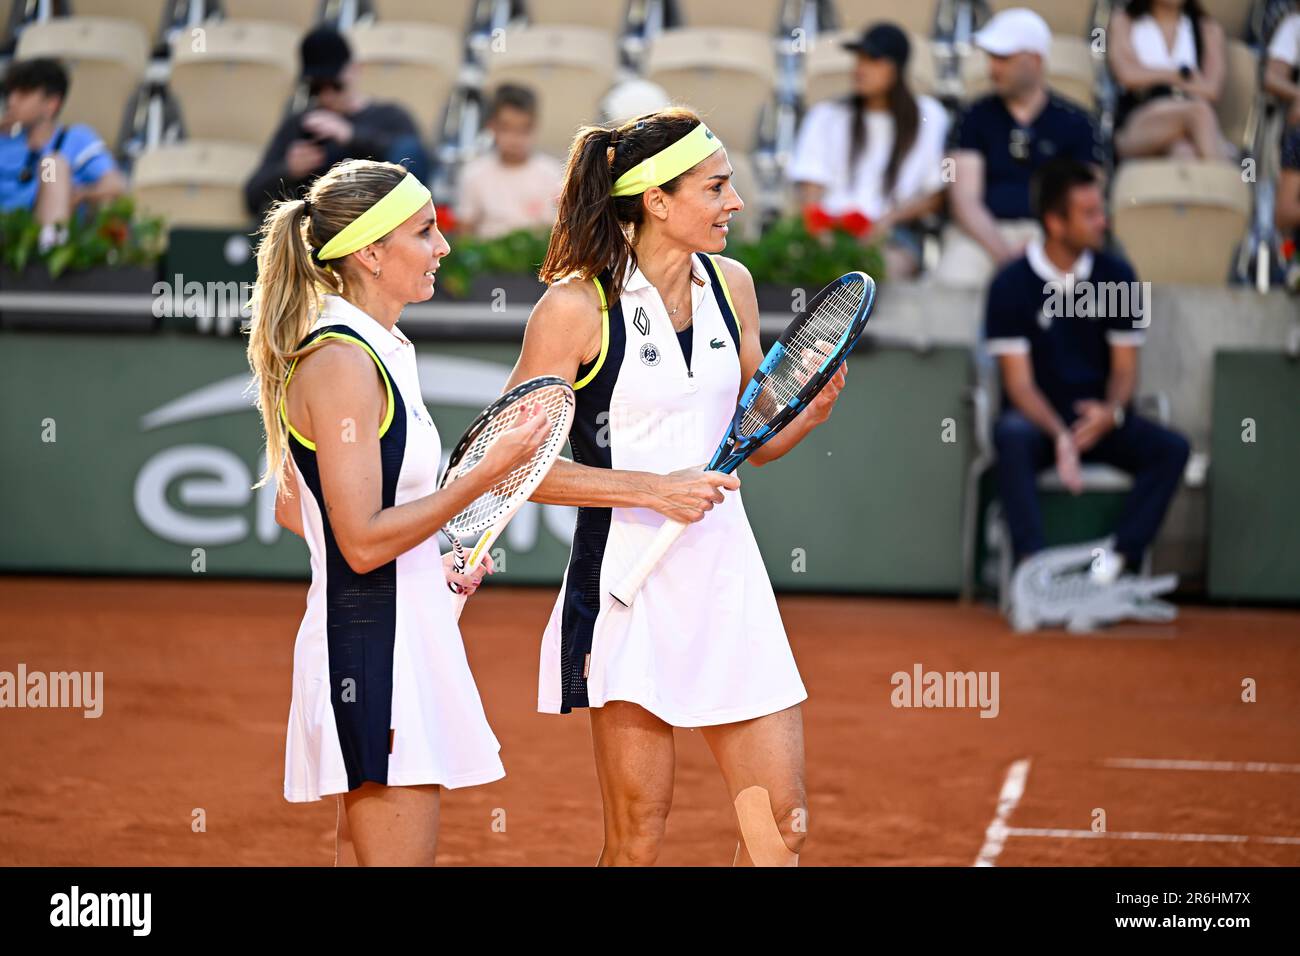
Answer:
[(820, 334), (484, 510)]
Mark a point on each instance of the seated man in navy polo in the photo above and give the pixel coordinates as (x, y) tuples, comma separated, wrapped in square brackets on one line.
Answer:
[(45, 166), (999, 141), (1065, 322)]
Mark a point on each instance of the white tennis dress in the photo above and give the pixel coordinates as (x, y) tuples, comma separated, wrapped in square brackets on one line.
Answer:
[(703, 642), (381, 688)]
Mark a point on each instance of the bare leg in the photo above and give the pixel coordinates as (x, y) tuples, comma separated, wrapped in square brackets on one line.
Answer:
[(54, 192), (1205, 131), (634, 763), (393, 826), (345, 854), (766, 752), (1153, 128)]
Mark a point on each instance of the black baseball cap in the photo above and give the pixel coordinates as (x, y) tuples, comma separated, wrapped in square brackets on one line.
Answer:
[(324, 54), (882, 41)]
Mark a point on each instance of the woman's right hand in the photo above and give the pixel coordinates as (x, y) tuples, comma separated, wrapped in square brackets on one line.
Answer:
[(687, 494), (515, 446)]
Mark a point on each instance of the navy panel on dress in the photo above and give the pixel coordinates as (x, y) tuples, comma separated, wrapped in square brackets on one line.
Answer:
[(360, 613), (589, 440), (731, 320)]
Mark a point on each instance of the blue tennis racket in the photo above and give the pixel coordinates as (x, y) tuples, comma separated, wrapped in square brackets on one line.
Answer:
[(801, 363)]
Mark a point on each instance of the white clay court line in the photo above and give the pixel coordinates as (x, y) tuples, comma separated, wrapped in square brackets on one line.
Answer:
[(1232, 766), (1140, 835), (1013, 788)]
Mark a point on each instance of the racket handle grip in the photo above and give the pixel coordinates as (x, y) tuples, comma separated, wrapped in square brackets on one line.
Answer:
[(458, 604), (626, 590)]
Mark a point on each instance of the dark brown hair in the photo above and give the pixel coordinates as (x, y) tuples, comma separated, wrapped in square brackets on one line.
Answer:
[(514, 96), (1052, 184), (593, 230), (907, 123)]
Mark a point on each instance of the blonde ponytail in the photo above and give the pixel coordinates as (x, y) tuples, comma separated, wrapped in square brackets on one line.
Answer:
[(287, 296)]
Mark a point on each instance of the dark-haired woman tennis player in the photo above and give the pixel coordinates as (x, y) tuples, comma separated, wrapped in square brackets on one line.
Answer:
[(658, 333)]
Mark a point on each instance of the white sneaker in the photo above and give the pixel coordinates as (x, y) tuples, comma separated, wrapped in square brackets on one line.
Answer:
[(1106, 566)]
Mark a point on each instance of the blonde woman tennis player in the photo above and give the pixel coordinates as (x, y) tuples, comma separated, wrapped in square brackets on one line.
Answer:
[(657, 333), (384, 710)]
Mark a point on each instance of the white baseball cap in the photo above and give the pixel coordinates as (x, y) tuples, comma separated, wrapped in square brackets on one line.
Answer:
[(1015, 31)]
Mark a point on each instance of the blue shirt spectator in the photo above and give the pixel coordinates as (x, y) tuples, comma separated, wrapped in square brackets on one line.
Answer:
[(20, 165), (45, 166)]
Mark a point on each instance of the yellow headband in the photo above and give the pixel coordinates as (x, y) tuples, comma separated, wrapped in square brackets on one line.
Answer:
[(401, 203), (696, 146)]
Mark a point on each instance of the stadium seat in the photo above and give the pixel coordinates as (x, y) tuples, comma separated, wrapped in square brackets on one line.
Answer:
[(726, 75), (609, 15), (1180, 220), (454, 14), (570, 68), (761, 15), (147, 14), (914, 16), (106, 60), (1233, 15), (1237, 103), (828, 69), (252, 64), (1071, 18), (1071, 71), (302, 15), (414, 64), (195, 183)]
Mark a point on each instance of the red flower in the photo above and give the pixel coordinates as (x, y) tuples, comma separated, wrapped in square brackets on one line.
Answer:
[(816, 219), (446, 218), (855, 224), (115, 231)]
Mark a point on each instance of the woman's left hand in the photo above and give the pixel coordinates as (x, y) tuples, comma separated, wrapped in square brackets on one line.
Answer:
[(468, 583), (819, 409)]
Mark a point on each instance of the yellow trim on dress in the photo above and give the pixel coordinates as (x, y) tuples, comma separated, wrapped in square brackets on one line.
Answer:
[(604, 338), (388, 386), (717, 266)]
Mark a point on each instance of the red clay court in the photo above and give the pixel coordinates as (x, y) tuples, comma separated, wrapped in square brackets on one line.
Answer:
[(1145, 722)]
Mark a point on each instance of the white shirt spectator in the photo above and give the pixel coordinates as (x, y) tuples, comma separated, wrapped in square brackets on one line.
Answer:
[(496, 199), (1285, 45), (821, 157), (1149, 44)]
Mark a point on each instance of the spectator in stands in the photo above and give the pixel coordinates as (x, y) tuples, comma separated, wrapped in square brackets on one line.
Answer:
[(45, 166), (1000, 141), (1068, 379), (1287, 213), (339, 123), (878, 151), (512, 186), (1169, 59), (1283, 61)]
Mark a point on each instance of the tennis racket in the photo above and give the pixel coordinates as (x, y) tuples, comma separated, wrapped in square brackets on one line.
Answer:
[(804, 359), (491, 511)]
